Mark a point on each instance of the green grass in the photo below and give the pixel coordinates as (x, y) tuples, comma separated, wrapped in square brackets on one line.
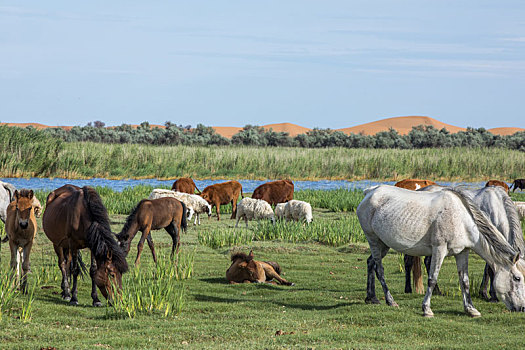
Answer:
[(84, 160), (325, 309)]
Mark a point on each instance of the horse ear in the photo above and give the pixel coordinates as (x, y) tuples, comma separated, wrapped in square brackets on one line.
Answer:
[(251, 254), (17, 195), (31, 194), (516, 258)]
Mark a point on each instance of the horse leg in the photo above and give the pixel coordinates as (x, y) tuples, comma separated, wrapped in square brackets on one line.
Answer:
[(26, 266), (218, 210), (409, 261), (462, 264), (493, 296), (378, 254), (152, 247), (484, 283), (62, 264), (92, 272), (174, 232), (140, 246), (75, 271), (15, 261), (428, 261), (438, 255), (371, 282), (270, 273)]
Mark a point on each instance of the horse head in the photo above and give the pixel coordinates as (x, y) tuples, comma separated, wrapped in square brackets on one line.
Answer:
[(108, 277), (245, 268), (24, 206), (510, 286)]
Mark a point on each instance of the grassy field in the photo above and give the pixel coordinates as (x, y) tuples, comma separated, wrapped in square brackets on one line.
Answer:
[(84, 160), (325, 309)]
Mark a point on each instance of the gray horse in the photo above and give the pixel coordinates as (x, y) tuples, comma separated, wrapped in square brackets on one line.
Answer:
[(7, 193), (501, 211), (440, 224)]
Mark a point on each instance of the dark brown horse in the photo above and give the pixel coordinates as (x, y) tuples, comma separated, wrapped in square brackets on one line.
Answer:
[(244, 269), (167, 213), (75, 218)]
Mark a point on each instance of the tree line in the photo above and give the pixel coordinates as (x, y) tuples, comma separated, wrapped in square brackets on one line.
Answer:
[(423, 136)]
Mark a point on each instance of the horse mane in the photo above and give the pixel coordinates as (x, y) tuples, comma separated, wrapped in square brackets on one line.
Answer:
[(99, 238), (241, 255), (24, 192), (515, 234), (492, 241), (123, 235)]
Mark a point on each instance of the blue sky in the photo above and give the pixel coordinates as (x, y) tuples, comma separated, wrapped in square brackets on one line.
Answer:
[(328, 64)]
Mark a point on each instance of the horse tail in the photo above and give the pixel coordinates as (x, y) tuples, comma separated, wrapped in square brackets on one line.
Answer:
[(417, 275), (184, 221), (275, 266), (82, 265), (242, 195), (99, 238), (491, 239)]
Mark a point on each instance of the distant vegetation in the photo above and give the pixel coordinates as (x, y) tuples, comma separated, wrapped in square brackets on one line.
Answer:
[(420, 137)]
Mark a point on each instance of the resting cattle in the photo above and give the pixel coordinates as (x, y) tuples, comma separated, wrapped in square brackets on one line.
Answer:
[(280, 191), (498, 183), (518, 183), (414, 184), (223, 193), (185, 185)]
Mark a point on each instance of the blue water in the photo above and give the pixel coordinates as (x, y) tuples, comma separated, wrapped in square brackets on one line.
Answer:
[(247, 185)]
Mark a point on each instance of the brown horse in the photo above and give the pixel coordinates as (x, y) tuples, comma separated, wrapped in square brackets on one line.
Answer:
[(246, 270), (75, 218), (166, 212), (498, 183), (414, 262), (21, 228)]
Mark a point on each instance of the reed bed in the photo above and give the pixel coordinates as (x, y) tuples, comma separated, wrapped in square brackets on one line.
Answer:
[(159, 290), (340, 200), (326, 231), (87, 159)]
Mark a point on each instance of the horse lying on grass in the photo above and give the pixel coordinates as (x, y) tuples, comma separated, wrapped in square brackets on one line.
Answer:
[(244, 269), (442, 223)]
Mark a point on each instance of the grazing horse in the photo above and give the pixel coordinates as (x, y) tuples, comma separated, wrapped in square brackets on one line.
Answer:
[(518, 183), (502, 213), (166, 212), (75, 218), (413, 263), (439, 223), (498, 183), (21, 229), (244, 269)]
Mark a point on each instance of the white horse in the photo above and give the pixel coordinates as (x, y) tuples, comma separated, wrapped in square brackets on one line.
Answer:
[(502, 212), (7, 193), (439, 224)]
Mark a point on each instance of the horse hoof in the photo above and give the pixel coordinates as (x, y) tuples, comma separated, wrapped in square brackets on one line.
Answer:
[(428, 315), (493, 300), (474, 313), (73, 302), (292, 284), (67, 298), (373, 300), (393, 304), (97, 304)]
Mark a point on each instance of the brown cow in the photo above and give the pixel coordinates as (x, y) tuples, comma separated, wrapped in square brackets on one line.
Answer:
[(185, 185), (280, 191), (414, 184), (498, 183), (223, 193), (414, 261)]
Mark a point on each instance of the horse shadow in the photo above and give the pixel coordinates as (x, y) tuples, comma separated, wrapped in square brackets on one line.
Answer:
[(214, 280)]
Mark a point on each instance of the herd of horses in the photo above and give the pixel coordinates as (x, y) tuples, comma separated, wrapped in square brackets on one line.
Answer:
[(415, 217)]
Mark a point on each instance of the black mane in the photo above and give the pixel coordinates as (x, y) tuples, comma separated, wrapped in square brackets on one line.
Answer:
[(241, 255), (100, 240)]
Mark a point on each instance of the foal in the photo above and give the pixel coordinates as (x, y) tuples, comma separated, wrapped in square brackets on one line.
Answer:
[(246, 270), (21, 229)]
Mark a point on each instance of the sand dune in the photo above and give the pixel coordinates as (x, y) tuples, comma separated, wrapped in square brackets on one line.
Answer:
[(505, 131), (402, 124)]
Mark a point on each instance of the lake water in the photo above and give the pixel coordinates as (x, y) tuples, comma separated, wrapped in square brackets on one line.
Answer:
[(247, 185)]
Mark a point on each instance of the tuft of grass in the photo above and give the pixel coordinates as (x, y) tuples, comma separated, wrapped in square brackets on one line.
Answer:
[(340, 200)]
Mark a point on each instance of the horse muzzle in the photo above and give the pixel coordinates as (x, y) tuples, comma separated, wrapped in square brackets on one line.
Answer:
[(23, 224)]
